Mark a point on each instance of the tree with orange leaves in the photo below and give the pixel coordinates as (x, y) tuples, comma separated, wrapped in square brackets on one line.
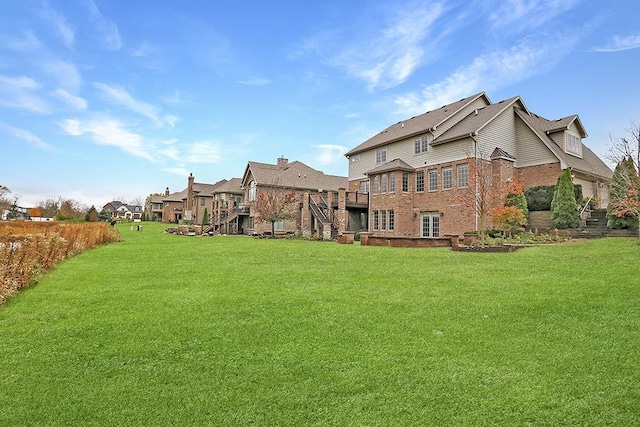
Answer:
[(273, 205)]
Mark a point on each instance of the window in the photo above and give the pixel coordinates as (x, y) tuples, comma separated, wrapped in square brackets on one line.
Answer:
[(278, 225), (252, 191), (383, 183), (447, 178), (381, 155), (392, 220), (392, 182), (405, 181), (202, 201), (420, 181), (383, 220), (463, 175), (375, 220), (573, 145), (376, 184), (420, 145), (433, 180), (430, 224), (355, 158), (364, 187)]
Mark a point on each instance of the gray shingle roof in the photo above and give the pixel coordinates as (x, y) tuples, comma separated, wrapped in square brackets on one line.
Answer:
[(295, 175), (393, 165), (233, 186), (416, 125)]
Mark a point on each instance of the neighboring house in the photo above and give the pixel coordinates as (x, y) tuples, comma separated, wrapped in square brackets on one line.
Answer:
[(417, 169), (155, 206), (119, 210), (323, 199), (228, 211)]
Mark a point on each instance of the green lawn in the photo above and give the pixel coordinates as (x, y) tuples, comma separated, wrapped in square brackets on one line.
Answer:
[(169, 330)]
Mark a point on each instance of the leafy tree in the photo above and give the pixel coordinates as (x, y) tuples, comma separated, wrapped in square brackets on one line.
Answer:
[(273, 205), (34, 212), (564, 208), (92, 215), (205, 217), (622, 211), (512, 215)]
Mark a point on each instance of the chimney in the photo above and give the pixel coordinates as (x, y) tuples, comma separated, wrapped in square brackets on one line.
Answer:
[(282, 163), (190, 192), (166, 191)]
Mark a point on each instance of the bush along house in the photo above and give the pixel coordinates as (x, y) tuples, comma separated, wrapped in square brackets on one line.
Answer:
[(422, 173)]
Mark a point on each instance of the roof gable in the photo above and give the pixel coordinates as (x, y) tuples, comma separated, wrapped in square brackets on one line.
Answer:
[(418, 124), (292, 175), (393, 165)]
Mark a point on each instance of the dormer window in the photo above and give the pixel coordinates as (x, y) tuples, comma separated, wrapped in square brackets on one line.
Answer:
[(420, 145), (573, 145)]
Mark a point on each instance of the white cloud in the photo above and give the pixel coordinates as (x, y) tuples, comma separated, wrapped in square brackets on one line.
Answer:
[(106, 29), (122, 97), (488, 71), (620, 43), (329, 154), (21, 93), (178, 170), (75, 102), (26, 136), (27, 43), (388, 58), (256, 81), (60, 24), (202, 152), (65, 74), (107, 131), (524, 15)]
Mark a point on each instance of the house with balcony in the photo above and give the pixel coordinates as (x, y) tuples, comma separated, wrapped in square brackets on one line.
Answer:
[(325, 207), (417, 170)]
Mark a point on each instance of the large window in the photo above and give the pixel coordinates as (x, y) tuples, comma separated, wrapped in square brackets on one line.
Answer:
[(375, 220), (573, 144), (392, 220), (420, 181), (252, 191), (463, 175), (376, 184), (405, 181), (383, 220), (430, 224), (383, 183), (447, 178), (364, 187), (381, 155), (392, 182), (433, 180), (278, 225), (420, 145)]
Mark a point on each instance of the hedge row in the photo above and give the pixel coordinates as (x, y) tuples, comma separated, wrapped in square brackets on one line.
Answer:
[(539, 198)]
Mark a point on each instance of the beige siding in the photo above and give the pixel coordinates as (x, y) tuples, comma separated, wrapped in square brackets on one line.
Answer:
[(478, 103), (499, 133), (530, 151)]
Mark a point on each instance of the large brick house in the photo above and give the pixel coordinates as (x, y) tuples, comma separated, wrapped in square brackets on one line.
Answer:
[(417, 169)]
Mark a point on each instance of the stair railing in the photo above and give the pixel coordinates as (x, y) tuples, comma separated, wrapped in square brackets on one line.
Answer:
[(585, 206)]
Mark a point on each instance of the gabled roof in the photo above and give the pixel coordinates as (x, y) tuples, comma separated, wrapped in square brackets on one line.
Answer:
[(292, 175), (590, 163), (559, 125), (206, 190), (476, 121), (418, 124), (499, 153), (393, 165), (176, 197), (233, 186)]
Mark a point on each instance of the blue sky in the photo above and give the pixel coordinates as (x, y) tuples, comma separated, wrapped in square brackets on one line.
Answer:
[(106, 99)]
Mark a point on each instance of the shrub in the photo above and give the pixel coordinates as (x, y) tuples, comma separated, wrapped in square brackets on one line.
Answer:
[(564, 208), (539, 198)]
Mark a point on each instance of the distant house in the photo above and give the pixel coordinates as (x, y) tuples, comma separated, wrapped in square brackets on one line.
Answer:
[(417, 169), (119, 210)]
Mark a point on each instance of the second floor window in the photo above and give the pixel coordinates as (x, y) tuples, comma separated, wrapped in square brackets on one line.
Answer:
[(433, 180), (405, 181), (364, 187), (420, 181), (381, 155), (463, 175), (420, 145), (447, 178), (252, 191)]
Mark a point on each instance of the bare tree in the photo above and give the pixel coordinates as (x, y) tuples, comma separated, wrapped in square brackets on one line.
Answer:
[(625, 152), (5, 200)]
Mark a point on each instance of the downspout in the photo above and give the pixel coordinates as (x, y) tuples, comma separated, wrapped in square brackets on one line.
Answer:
[(475, 197)]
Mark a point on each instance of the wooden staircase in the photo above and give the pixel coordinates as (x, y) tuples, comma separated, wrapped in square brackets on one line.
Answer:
[(321, 213)]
